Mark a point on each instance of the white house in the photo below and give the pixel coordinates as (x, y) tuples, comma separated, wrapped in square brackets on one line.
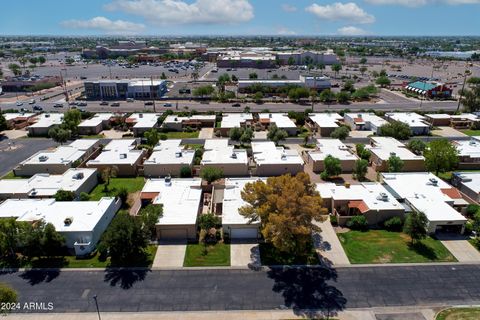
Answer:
[(96, 124), (334, 148), (325, 123), (275, 161), (281, 120), (219, 154), (417, 123), (383, 148), (468, 183), (468, 153), (45, 122), (364, 121), (168, 158), (141, 122)]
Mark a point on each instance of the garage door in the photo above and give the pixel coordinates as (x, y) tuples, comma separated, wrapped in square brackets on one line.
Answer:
[(244, 233), (173, 234)]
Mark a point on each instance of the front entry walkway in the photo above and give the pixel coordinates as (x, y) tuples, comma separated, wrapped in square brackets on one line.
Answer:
[(170, 255), (244, 254), (458, 245), (328, 246)]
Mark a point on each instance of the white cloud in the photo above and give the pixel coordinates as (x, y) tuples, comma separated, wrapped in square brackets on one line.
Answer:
[(282, 31), (351, 31), (105, 25), (350, 12), (163, 12), (419, 3), (288, 8)]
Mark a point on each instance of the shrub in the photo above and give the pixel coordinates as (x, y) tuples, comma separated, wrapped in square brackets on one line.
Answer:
[(122, 194), (472, 209), (84, 196), (358, 223), (333, 220), (163, 136), (185, 172), (468, 228), (393, 224)]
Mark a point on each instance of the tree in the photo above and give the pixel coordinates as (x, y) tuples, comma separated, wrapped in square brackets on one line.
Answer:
[(363, 152), (258, 96), (348, 86), (395, 129), (203, 91), (108, 173), (360, 169), (84, 196), (327, 96), (163, 76), (9, 234), (185, 172), (152, 136), (343, 97), (383, 81), (150, 216), (246, 136), (253, 75), (71, 61), (341, 133), (122, 194), (208, 221), (440, 156), (41, 60), (3, 123), (332, 167), (211, 174), (235, 133), (298, 93), (362, 70), (64, 195), (71, 120), (15, 68), (363, 60), (470, 98), (33, 60), (417, 146), (276, 134), (416, 226), (7, 296), (291, 61), (286, 207), (336, 68), (394, 163), (59, 135), (52, 241)]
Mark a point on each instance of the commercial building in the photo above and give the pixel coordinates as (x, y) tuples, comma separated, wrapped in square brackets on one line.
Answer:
[(19, 120), (176, 123), (424, 192), (234, 224), (219, 154), (98, 123), (45, 122), (301, 57), (141, 122), (311, 82), (58, 160), (417, 123), (364, 121), (120, 154), (370, 199), (180, 199), (44, 185), (383, 148), (468, 153), (324, 123), (122, 89), (275, 161), (30, 84), (281, 120), (234, 120), (168, 158), (430, 89), (82, 223), (468, 183), (246, 59), (334, 148), (460, 121)]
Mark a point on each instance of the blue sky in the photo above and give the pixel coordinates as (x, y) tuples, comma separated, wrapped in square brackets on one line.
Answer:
[(240, 17)]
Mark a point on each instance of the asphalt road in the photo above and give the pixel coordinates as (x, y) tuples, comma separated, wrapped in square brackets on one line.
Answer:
[(12, 152), (296, 288)]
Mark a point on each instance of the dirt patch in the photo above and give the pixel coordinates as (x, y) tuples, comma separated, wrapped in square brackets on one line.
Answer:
[(386, 258)]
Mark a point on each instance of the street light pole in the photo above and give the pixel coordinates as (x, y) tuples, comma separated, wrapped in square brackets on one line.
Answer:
[(96, 304)]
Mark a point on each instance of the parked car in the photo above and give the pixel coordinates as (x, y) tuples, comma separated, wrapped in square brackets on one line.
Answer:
[(82, 104), (19, 103), (115, 104), (167, 105), (236, 105), (83, 78), (32, 101), (58, 105), (104, 103), (37, 108), (148, 103), (130, 100)]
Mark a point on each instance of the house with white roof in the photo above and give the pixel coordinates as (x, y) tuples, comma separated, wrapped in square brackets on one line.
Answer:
[(198, 121), (121, 154), (383, 148), (325, 123), (44, 185), (168, 158), (82, 223), (58, 160), (331, 147), (96, 124), (45, 122), (369, 199), (457, 121), (19, 120), (468, 153), (142, 122), (236, 225), (219, 154), (271, 160), (281, 120), (417, 123), (364, 121), (424, 192), (234, 120), (468, 183), (180, 199)]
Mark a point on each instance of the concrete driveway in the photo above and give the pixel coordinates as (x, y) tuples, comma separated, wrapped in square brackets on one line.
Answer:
[(170, 255), (328, 245), (244, 254), (461, 249), (205, 133)]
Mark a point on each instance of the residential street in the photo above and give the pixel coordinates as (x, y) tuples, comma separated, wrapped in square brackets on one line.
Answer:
[(229, 289)]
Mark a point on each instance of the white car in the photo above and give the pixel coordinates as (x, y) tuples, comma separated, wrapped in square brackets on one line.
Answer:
[(19, 103), (32, 101)]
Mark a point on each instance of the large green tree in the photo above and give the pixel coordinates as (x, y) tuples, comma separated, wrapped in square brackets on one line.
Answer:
[(332, 167), (416, 225), (276, 134), (440, 156), (396, 129), (152, 136), (394, 164), (360, 169)]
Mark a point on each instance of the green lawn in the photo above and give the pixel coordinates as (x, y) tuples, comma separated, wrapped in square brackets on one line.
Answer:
[(181, 135), (459, 314), (218, 255), (380, 246), (447, 176), (470, 132), (11, 175), (271, 256), (93, 136), (132, 185)]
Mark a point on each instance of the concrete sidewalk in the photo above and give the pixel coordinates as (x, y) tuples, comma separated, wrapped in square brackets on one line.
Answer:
[(328, 245)]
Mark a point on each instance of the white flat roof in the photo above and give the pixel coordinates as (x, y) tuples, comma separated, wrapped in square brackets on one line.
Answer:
[(218, 151), (468, 116), (369, 192), (471, 180), (177, 119), (144, 120), (280, 119), (232, 200), (232, 120), (325, 120), (120, 151), (367, 117), (426, 193), (85, 214), (438, 116), (411, 118), (62, 154), (170, 152), (97, 119), (11, 116), (384, 147), (44, 184), (468, 148), (46, 120), (267, 153), (180, 199), (333, 147)]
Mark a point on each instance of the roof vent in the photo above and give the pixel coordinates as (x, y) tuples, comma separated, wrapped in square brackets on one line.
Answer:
[(78, 176), (472, 142), (359, 115), (433, 181), (168, 180), (123, 156), (68, 221), (234, 155), (178, 154), (382, 196), (140, 115), (42, 158), (392, 154), (47, 116), (284, 156)]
